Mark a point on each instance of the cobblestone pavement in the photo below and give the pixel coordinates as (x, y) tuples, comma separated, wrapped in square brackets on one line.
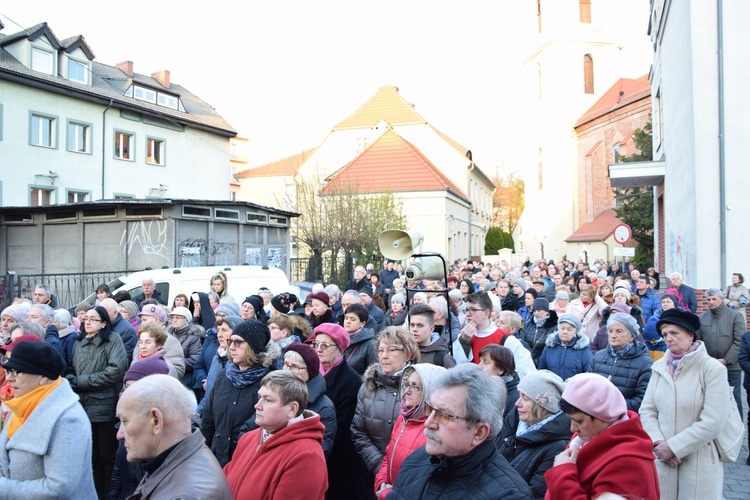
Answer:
[(737, 475)]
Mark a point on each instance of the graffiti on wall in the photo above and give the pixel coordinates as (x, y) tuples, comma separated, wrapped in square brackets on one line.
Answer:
[(680, 257), (194, 252), (148, 237)]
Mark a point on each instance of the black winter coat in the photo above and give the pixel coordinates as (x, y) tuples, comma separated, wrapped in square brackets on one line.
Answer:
[(630, 373), (531, 454), (361, 352), (227, 408), (481, 474), (536, 337)]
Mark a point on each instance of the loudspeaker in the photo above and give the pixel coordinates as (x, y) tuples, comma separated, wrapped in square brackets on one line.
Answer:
[(430, 268), (396, 244)]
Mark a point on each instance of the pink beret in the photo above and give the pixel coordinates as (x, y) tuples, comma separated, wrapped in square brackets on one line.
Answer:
[(595, 395), (336, 332)]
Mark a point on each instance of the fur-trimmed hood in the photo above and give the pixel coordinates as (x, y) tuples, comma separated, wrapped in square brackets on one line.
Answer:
[(271, 354), (373, 378), (195, 329)]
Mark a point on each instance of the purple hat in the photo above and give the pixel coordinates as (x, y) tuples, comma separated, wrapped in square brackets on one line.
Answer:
[(312, 362), (336, 332), (153, 365), (321, 296), (154, 310)]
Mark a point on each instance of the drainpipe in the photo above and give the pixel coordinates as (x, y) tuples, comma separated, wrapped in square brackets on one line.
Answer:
[(471, 167), (722, 152), (104, 138)]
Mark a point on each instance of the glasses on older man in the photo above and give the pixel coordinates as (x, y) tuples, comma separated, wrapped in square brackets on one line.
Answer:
[(441, 416)]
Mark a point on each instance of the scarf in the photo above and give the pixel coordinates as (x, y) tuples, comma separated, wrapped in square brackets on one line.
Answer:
[(673, 360), (540, 322), (523, 427), (621, 352), (245, 378), (23, 406), (336, 363), (408, 411)]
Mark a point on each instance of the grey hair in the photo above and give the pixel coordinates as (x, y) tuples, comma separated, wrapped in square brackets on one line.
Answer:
[(45, 287), (353, 294), (63, 317), (714, 292), (47, 312), (166, 393), (148, 278), (332, 290), (31, 329), (485, 398), (439, 305)]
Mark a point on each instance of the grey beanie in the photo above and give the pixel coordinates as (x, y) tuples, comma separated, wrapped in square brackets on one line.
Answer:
[(520, 282), (621, 291), (562, 294), (233, 321), (540, 304), (570, 319), (400, 298), (626, 320), (544, 388), (230, 307)]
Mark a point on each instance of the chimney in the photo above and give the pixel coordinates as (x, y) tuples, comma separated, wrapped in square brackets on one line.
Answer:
[(126, 67), (162, 77)]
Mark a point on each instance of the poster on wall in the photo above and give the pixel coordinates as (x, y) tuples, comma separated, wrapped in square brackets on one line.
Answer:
[(275, 257), (254, 256)]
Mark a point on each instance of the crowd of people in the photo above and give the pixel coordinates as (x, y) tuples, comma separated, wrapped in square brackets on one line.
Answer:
[(539, 380)]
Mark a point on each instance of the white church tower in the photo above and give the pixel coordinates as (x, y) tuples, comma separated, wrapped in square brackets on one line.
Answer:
[(581, 48)]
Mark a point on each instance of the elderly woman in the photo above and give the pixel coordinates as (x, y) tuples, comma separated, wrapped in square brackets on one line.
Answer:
[(282, 328), (498, 361), (224, 328), (625, 361), (685, 406), (129, 312), (45, 444), (330, 341), (567, 352), (561, 304), (610, 452), (233, 397), (190, 336), (283, 458), (652, 338), (618, 307), (588, 309), (396, 315), (95, 372), (536, 431), (321, 311), (408, 433), (10, 317), (219, 285), (738, 294), (152, 338), (66, 330), (378, 401)]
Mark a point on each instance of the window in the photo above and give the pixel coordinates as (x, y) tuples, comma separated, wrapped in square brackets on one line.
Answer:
[(616, 153), (78, 196), (584, 11), (40, 197), (588, 74), (78, 137), (154, 151), (77, 71), (123, 146), (144, 94), (167, 101), (42, 131), (42, 61)]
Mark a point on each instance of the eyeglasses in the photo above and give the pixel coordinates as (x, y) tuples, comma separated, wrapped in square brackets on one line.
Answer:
[(92, 320), (236, 342), (12, 371), (391, 350), (441, 416), (322, 345), (294, 368), (472, 310), (410, 387)]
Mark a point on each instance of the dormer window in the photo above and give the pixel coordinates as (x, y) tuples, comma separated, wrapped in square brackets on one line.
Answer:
[(42, 61), (144, 94), (77, 71), (155, 97)]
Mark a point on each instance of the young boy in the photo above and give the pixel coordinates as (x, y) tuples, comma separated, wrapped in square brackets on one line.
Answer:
[(432, 347), (479, 330)]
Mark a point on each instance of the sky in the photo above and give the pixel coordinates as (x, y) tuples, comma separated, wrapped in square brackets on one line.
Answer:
[(284, 72)]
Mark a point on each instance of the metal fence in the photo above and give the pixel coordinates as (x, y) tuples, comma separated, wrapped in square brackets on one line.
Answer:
[(69, 288), (325, 270)]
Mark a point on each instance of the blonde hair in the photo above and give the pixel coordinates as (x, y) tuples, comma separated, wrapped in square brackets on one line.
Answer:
[(400, 337)]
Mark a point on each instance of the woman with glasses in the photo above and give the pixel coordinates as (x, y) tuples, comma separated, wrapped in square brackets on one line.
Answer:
[(408, 433), (330, 341), (282, 329), (378, 401), (234, 394), (95, 372)]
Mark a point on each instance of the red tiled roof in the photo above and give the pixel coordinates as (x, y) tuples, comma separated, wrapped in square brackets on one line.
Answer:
[(598, 229), (391, 164), (287, 166), (625, 91), (458, 147), (386, 105)]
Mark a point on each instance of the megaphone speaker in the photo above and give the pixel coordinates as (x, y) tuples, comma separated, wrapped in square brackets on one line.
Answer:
[(426, 268), (396, 244)]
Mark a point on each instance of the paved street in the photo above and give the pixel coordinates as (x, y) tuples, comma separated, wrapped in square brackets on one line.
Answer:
[(737, 475)]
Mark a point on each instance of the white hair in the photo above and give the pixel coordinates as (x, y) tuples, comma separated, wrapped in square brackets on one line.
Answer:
[(63, 317)]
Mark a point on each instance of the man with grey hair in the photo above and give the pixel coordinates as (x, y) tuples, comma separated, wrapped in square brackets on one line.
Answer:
[(43, 295), (460, 458), (121, 325), (44, 315), (334, 299), (149, 291), (688, 294), (359, 281), (352, 297), (721, 331), (154, 415)]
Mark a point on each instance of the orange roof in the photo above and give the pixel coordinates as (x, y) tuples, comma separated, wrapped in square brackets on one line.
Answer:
[(598, 229), (625, 91), (386, 105), (287, 166), (391, 164), (458, 147)]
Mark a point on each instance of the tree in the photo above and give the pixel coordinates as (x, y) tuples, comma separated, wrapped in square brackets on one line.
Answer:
[(637, 204), (507, 201), (495, 240)]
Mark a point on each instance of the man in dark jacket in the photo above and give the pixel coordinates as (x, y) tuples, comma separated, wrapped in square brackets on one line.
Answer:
[(460, 459), (359, 281), (386, 277), (148, 287), (374, 311), (121, 326), (688, 294), (44, 315), (542, 324)]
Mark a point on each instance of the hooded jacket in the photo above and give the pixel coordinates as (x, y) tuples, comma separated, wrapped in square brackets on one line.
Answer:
[(566, 360), (536, 336), (190, 341), (428, 353), (407, 435), (534, 452), (172, 352), (289, 464), (361, 351), (620, 460), (376, 414), (630, 373)]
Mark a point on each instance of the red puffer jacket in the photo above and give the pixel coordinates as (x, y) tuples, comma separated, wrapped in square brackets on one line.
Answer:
[(405, 438)]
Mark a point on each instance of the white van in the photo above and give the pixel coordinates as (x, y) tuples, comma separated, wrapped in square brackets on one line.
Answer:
[(241, 281)]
